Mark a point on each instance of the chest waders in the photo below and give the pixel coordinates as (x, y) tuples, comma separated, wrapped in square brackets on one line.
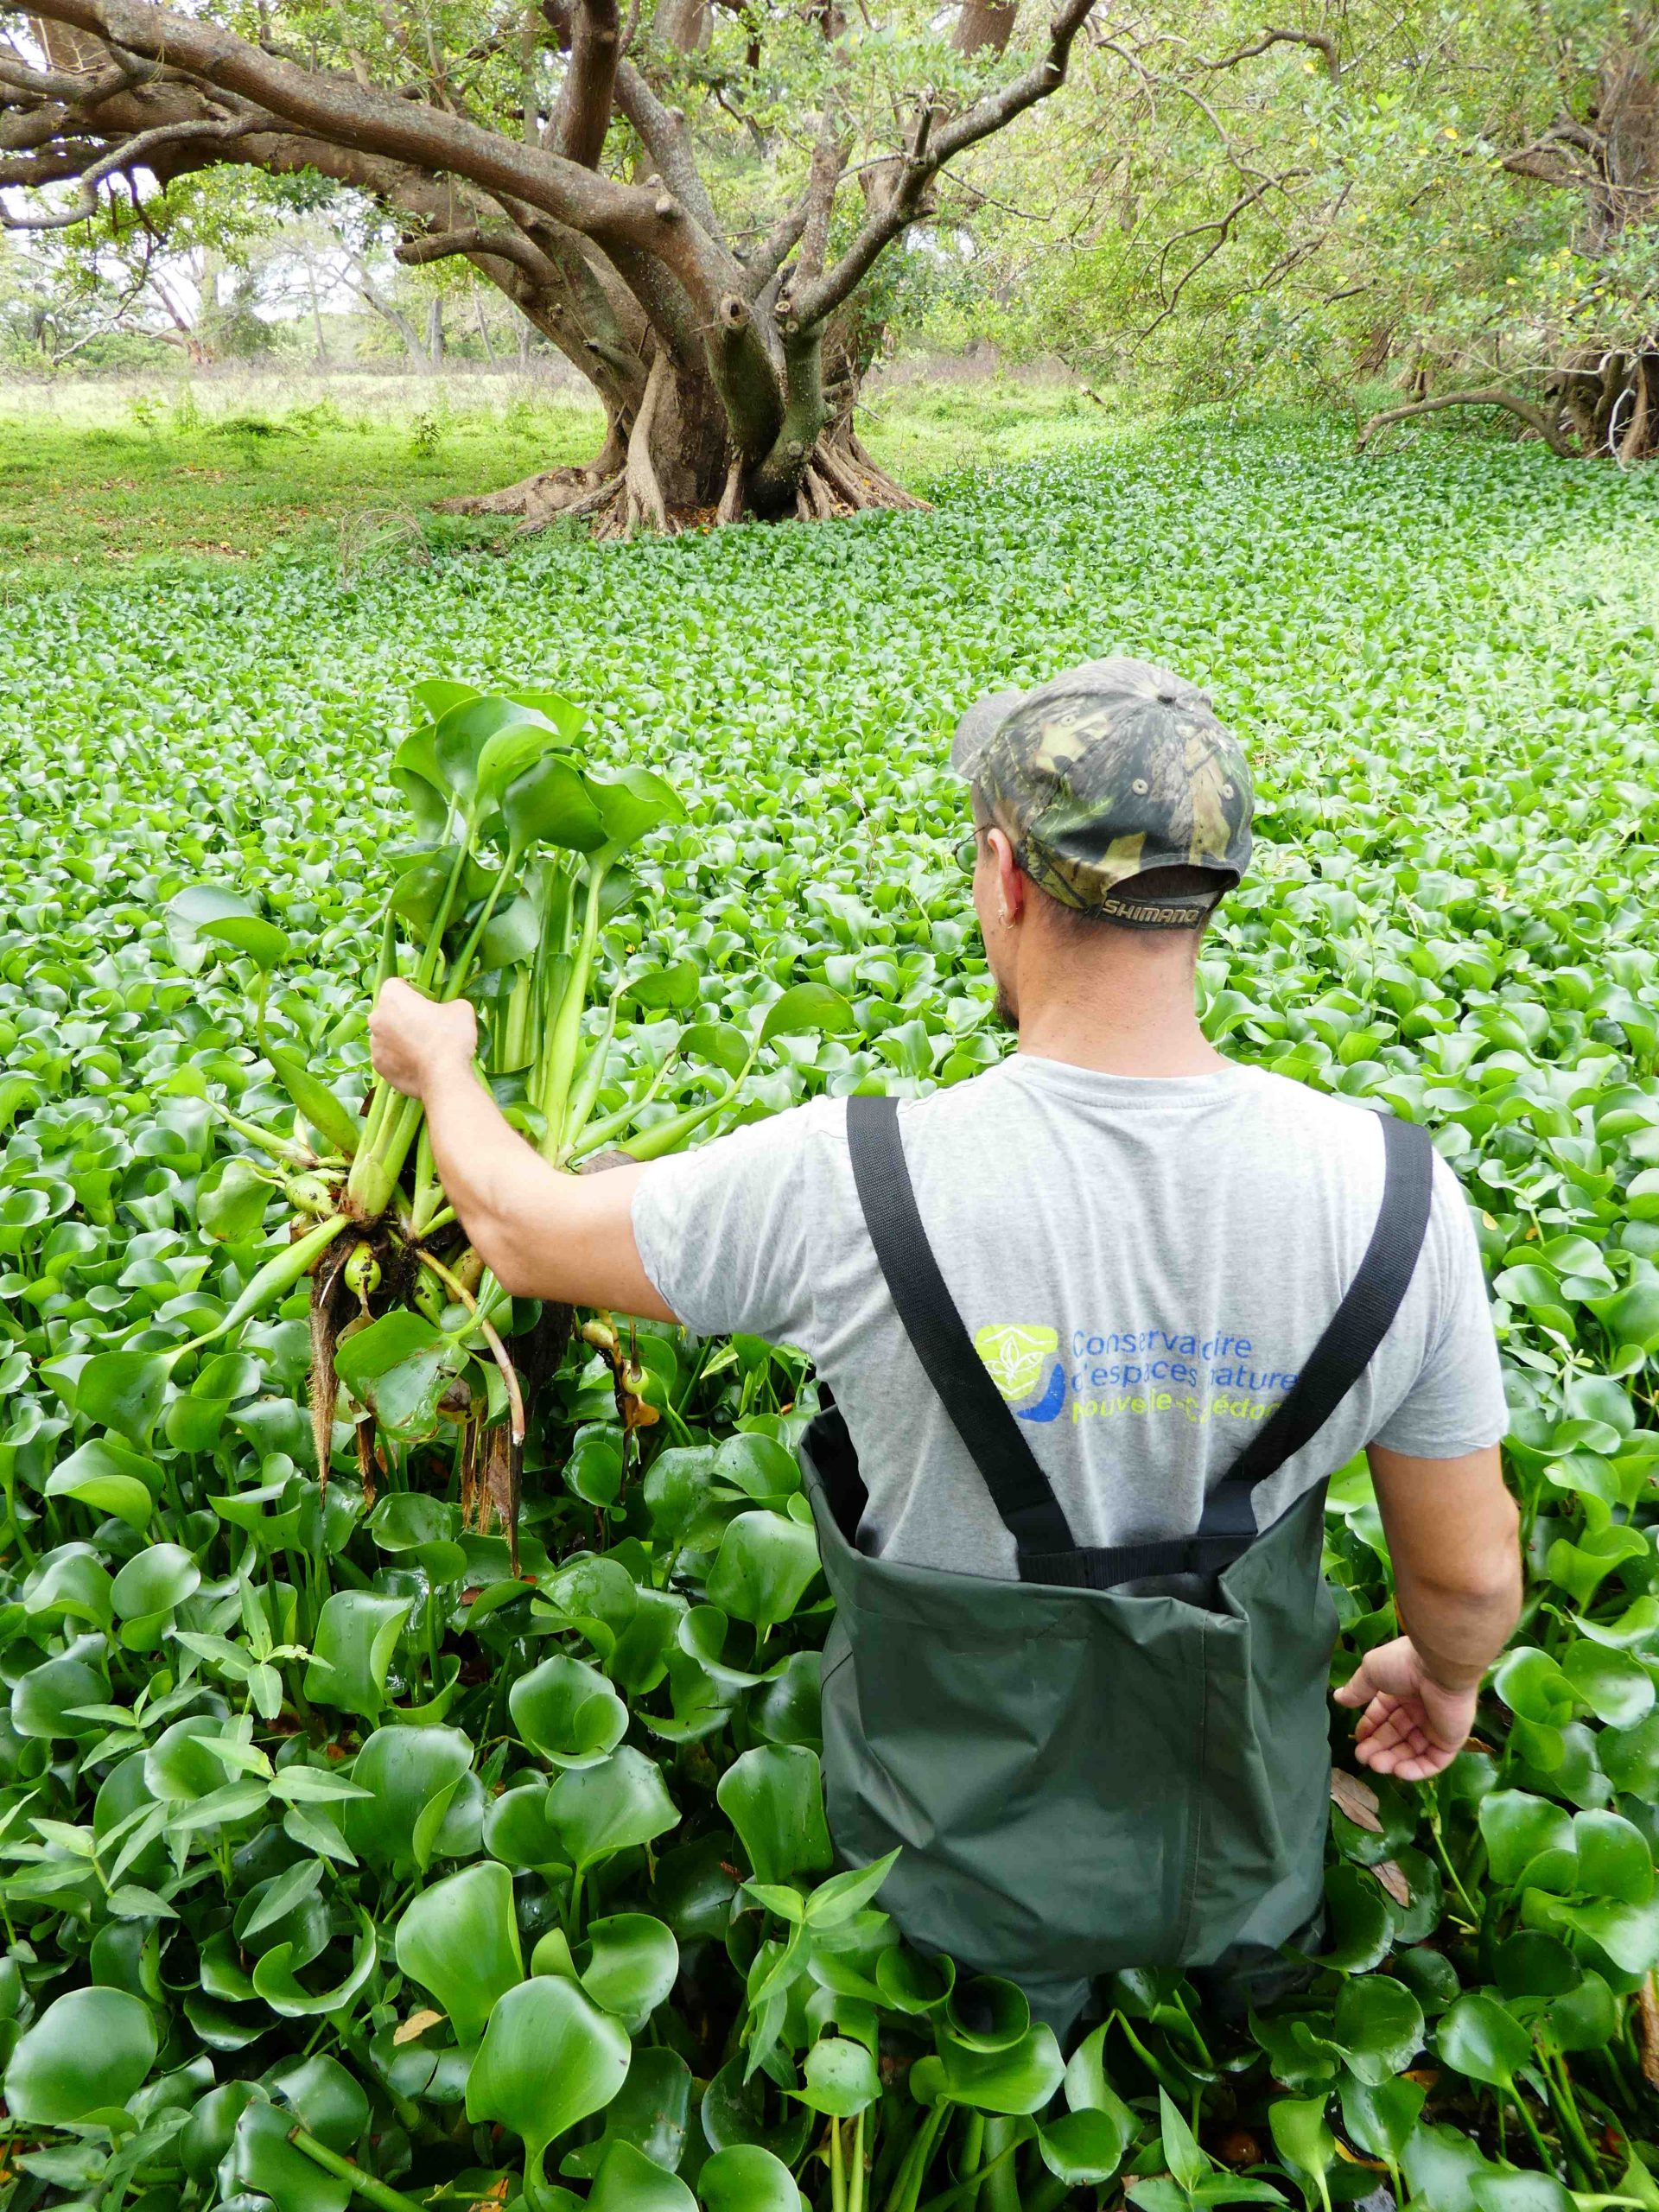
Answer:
[(1082, 1777)]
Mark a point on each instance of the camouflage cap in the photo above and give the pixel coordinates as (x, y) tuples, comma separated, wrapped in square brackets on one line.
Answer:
[(1105, 773)]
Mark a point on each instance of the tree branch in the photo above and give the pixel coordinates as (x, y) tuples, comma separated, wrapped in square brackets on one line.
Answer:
[(583, 114), (407, 131), (22, 132), (499, 244), (66, 85), (663, 130), (984, 26), (902, 202), (1320, 41), (576, 293), (1539, 419), (773, 250), (125, 155), (1541, 161), (1221, 225), (829, 160), (62, 165)]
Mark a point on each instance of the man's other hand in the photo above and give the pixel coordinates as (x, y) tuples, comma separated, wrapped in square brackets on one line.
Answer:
[(1412, 1726), (412, 1038)]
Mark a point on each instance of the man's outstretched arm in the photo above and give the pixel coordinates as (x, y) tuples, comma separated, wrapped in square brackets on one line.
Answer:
[(1451, 1528), (541, 1234)]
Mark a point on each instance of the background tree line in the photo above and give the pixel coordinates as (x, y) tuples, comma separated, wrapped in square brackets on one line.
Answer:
[(1416, 201)]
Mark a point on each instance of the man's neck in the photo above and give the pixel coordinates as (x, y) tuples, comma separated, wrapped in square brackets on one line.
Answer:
[(1124, 1007)]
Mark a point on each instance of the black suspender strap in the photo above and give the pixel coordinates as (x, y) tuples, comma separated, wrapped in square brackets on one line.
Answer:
[(1019, 1488), (1361, 1322), (1335, 1365)]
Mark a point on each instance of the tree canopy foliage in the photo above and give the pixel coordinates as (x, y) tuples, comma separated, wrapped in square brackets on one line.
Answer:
[(1465, 195)]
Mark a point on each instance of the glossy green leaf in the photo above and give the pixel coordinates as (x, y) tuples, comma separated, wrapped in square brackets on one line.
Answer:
[(256, 939), (1379, 2024), (599, 1810), (840, 2078), (460, 1940), (546, 802), (1379, 2116), (397, 1367), (548, 2058), (231, 1202), (1019, 2079), (1359, 1930), (124, 1391), (150, 1589), (747, 2177), (517, 1830), (261, 2158), (1479, 2038), (108, 1478), (808, 1007), (1085, 2148), (1299, 2132), (633, 803), (568, 1711), (1517, 1826), (334, 1121), (651, 2111), (628, 1964), (628, 2181), (765, 1565), (773, 1796), (412, 1775), (357, 1634), (85, 2056)]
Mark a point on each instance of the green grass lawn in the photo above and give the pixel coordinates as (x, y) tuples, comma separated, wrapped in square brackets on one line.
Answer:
[(90, 474), (95, 478)]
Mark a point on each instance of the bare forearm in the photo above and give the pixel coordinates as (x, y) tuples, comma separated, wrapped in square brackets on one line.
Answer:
[(1459, 1633), (493, 1179), (1454, 1538), (541, 1234)]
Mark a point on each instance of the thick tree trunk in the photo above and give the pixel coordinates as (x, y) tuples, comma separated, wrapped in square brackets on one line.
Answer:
[(686, 25), (1612, 401), (985, 26), (668, 463)]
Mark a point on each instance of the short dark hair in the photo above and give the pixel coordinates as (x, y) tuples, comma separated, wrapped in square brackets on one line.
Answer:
[(1158, 883)]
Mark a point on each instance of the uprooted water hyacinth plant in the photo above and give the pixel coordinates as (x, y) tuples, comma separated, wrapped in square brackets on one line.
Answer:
[(507, 890), (343, 1864)]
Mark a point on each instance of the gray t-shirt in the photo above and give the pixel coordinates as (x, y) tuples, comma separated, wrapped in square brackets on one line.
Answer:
[(1144, 1264)]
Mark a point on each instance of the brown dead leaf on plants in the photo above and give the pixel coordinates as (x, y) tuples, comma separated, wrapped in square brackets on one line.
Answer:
[(1354, 1799), (416, 2027), (1394, 1882)]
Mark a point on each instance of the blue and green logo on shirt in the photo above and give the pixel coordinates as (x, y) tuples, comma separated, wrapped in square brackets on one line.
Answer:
[(1018, 1354), (1169, 1373)]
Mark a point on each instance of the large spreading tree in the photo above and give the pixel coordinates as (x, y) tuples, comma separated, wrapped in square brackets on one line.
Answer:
[(694, 207), (1459, 196)]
